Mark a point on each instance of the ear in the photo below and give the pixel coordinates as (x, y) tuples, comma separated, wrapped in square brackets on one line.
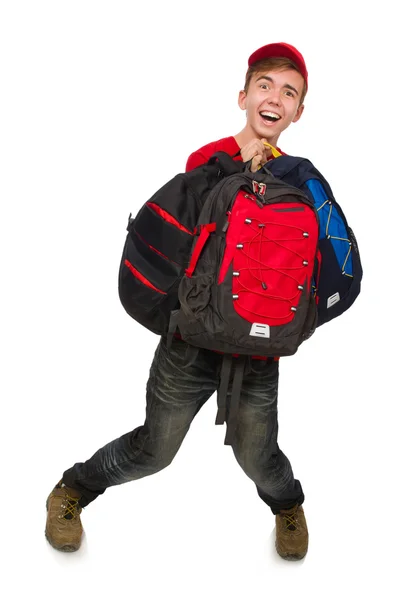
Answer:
[(298, 113), (242, 96)]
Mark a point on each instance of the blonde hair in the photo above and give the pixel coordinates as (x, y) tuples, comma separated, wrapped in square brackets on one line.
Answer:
[(271, 64)]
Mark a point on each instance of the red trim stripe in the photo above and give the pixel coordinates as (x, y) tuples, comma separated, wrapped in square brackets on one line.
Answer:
[(167, 217), (141, 278), (155, 250), (205, 231), (158, 252)]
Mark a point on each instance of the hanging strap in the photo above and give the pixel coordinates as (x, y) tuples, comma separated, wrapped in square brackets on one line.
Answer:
[(235, 397), (222, 392), (235, 401), (172, 326)]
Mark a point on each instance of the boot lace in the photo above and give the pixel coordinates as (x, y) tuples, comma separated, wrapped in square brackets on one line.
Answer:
[(291, 522), (71, 507)]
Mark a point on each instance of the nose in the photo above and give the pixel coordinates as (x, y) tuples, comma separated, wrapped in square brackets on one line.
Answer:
[(274, 97)]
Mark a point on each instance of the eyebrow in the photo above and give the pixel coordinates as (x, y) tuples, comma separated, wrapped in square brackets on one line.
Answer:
[(286, 85)]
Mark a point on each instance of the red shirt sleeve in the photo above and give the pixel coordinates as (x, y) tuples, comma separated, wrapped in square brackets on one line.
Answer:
[(196, 159)]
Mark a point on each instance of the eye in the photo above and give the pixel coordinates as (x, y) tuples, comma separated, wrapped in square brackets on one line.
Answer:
[(289, 93), (265, 86)]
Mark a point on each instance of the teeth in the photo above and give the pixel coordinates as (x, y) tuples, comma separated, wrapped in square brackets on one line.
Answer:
[(267, 113)]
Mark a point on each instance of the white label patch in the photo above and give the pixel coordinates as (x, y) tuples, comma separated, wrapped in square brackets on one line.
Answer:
[(333, 300), (260, 330)]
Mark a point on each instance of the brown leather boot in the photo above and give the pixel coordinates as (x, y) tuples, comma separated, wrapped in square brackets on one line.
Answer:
[(292, 537), (63, 528)]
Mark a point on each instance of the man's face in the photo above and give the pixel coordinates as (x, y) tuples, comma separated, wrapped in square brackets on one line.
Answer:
[(272, 102)]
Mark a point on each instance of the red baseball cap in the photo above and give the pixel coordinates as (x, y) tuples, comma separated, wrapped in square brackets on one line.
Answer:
[(280, 50)]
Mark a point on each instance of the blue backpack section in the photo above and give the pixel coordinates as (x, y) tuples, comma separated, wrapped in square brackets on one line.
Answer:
[(332, 226), (341, 271)]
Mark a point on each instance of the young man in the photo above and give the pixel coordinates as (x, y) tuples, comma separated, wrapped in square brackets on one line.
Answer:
[(275, 87)]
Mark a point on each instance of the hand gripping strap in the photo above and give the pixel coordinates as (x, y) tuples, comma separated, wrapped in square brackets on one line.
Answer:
[(274, 150)]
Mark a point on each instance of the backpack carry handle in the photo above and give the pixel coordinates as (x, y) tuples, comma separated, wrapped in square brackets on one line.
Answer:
[(226, 163)]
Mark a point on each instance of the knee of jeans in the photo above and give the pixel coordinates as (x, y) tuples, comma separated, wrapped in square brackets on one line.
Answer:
[(152, 464), (160, 457), (163, 461), (254, 461)]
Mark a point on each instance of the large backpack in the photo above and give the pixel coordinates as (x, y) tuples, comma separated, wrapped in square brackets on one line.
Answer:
[(159, 241), (248, 287)]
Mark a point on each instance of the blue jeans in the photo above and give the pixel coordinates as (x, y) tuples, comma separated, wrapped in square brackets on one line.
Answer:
[(176, 390)]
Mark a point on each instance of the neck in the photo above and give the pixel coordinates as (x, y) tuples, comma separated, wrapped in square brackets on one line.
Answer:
[(247, 134)]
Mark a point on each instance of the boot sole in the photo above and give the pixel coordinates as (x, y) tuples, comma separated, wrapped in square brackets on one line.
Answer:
[(66, 548), (291, 557)]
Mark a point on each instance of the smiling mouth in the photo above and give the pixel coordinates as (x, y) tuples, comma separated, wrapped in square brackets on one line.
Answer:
[(269, 117)]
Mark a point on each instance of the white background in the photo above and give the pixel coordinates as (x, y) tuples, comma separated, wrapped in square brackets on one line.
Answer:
[(101, 103)]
